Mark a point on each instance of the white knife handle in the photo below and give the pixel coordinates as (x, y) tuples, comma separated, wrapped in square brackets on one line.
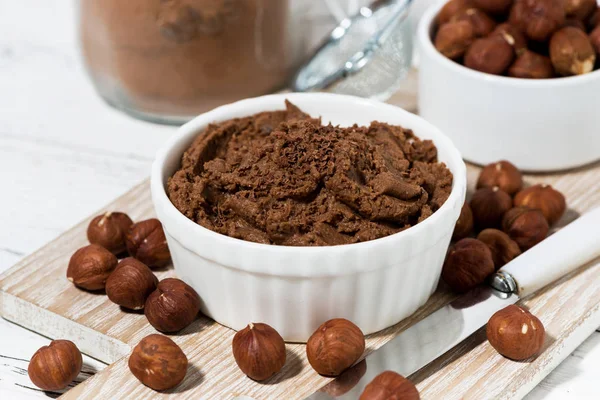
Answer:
[(564, 251)]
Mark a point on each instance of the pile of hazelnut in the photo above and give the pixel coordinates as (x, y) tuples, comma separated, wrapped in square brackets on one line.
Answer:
[(502, 220), (534, 39)]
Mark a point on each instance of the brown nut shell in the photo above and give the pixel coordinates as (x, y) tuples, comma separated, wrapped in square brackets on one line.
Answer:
[(464, 224), (488, 206), (580, 9), (571, 52), (513, 35), (454, 38), (482, 24), (503, 248), (492, 55), (496, 7), (55, 366), (452, 8), (525, 226), (130, 284), (502, 174), (545, 198), (259, 351), (109, 230), (335, 346), (515, 333), (574, 23), (158, 362), (147, 242), (468, 263), (538, 19), (530, 65), (390, 385), (172, 306), (90, 267)]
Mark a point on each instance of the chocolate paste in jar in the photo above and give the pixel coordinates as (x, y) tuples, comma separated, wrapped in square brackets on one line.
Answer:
[(183, 57), (283, 178)]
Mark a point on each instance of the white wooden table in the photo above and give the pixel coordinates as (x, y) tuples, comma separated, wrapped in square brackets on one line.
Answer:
[(64, 154)]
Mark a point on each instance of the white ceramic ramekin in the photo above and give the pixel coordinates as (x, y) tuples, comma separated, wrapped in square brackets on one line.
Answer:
[(539, 125), (295, 289)]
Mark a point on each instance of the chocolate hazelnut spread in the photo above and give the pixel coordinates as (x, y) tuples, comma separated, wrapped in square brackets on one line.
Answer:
[(183, 57), (281, 177)]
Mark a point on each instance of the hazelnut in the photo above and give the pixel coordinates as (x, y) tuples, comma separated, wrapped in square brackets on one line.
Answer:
[(259, 351), (574, 23), (489, 205), (158, 362), (172, 306), (502, 174), (109, 230), (595, 39), (452, 8), (454, 38), (571, 52), (482, 24), (54, 366), (464, 224), (515, 333), (130, 284), (513, 35), (492, 55), (346, 381), (530, 65), (146, 241), (335, 346), (545, 198), (503, 248), (468, 263), (390, 385), (90, 267), (525, 226), (580, 9), (537, 18), (496, 7)]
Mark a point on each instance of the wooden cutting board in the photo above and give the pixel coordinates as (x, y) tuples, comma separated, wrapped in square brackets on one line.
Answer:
[(36, 294)]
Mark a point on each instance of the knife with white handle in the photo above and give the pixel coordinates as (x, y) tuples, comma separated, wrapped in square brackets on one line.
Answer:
[(561, 253)]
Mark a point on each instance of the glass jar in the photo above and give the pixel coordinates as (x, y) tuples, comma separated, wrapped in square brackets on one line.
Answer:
[(169, 60)]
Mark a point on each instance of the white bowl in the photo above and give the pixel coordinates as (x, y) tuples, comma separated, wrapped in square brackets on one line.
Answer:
[(539, 125), (375, 284)]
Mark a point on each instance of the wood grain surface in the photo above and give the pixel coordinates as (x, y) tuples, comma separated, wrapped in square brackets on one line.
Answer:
[(36, 294)]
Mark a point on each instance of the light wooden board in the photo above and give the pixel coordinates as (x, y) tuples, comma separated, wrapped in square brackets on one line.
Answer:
[(36, 294)]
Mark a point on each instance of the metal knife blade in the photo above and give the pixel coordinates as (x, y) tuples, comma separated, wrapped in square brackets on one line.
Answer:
[(432, 336)]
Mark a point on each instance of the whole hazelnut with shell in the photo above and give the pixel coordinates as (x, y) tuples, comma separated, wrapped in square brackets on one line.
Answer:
[(158, 362), (109, 230), (502, 174), (488, 206), (90, 267), (259, 351), (335, 346), (454, 38), (526, 226), (496, 7), (580, 9), (54, 366), (390, 385), (147, 242), (452, 8), (482, 24), (492, 54), (172, 306), (468, 263), (503, 248), (464, 224), (571, 52), (530, 65), (515, 333), (545, 198), (130, 284), (538, 19), (513, 36)]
